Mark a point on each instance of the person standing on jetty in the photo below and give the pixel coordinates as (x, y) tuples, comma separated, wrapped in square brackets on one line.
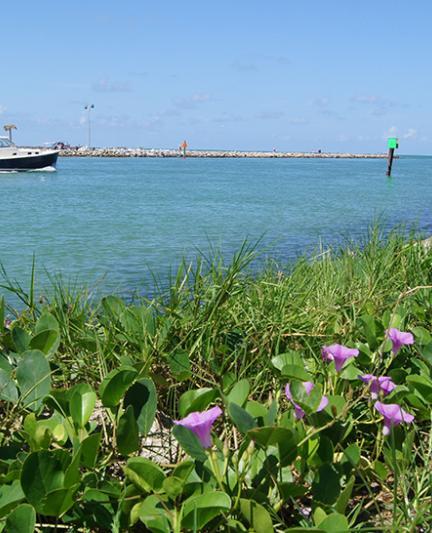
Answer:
[(183, 148)]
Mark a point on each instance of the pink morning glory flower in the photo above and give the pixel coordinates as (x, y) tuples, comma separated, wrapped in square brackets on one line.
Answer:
[(393, 415), (298, 411), (339, 354), (399, 339), (201, 424), (382, 384)]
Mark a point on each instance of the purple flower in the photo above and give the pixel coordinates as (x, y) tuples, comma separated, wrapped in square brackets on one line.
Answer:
[(298, 411), (382, 384), (393, 415), (399, 339), (201, 424), (338, 353)]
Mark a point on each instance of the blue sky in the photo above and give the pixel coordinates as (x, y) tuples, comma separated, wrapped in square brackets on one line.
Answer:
[(244, 74)]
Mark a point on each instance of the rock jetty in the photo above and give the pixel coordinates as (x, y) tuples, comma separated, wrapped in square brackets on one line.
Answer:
[(146, 152)]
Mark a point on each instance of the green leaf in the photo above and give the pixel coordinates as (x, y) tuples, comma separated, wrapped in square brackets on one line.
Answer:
[(5, 365), (81, 404), (34, 379), (380, 470), (422, 335), (352, 453), (271, 416), (144, 474), (40, 433), (295, 372), (256, 409), (350, 372), (8, 390), (59, 501), (197, 511), (241, 418), (369, 330), (256, 515), (325, 449), (173, 486), (336, 404), (21, 520), (303, 529), (47, 321), (270, 435), (189, 442), (113, 307), (46, 341), (239, 393), (89, 450), (10, 496), (288, 358), (326, 486), (196, 400), (127, 433), (319, 515), (179, 365), (153, 516), (115, 384), (335, 523), (291, 490), (143, 399), (44, 481), (345, 495), (422, 384), (21, 339), (183, 470)]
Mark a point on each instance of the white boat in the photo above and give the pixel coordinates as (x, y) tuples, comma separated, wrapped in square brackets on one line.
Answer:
[(13, 158)]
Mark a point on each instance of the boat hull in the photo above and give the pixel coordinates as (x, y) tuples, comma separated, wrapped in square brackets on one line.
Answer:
[(31, 162)]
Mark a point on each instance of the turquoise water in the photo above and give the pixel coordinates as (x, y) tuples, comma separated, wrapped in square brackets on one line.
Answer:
[(111, 221)]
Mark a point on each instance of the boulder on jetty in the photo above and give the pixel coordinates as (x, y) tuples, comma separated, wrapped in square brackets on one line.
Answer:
[(146, 152)]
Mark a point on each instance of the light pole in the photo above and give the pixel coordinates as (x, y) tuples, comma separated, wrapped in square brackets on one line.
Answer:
[(88, 108)]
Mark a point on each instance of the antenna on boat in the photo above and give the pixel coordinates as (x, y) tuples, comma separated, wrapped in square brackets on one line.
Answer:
[(9, 128)]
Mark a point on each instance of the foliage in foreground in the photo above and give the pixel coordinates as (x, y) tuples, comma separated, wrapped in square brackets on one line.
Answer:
[(90, 395)]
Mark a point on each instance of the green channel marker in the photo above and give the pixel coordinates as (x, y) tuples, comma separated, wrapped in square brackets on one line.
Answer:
[(393, 143)]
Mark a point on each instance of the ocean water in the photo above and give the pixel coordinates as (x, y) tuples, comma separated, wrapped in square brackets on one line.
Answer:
[(112, 222)]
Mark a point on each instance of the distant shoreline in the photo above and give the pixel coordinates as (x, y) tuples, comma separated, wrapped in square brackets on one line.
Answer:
[(145, 152)]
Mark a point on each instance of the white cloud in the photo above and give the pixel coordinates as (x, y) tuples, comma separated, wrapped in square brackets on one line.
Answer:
[(270, 115), (391, 132), (297, 121), (242, 66), (105, 85), (2, 109), (378, 106), (189, 102), (320, 101), (366, 99), (410, 134)]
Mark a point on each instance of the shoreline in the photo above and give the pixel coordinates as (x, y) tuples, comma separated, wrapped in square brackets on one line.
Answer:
[(145, 152)]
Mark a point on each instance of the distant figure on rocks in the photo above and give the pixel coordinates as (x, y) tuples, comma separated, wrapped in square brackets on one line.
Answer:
[(183, 148)]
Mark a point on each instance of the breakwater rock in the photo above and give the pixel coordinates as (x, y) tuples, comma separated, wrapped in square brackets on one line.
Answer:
[(146, 152)]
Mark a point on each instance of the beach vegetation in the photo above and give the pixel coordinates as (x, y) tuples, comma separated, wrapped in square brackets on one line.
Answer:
[(288, 399)]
